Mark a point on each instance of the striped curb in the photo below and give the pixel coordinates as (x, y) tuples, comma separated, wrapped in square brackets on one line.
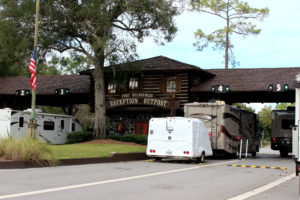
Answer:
[(254, 166), (175, 161)]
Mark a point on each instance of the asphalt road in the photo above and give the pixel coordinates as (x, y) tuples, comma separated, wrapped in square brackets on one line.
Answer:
[(215, 179)]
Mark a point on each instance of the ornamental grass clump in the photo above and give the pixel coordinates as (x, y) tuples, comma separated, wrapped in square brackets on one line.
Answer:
[(27, 149), (3, 143)]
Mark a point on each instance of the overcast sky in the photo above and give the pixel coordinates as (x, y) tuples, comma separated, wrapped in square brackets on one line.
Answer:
[(276, 46)]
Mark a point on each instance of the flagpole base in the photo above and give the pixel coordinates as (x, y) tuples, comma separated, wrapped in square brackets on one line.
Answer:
[(32, 128)]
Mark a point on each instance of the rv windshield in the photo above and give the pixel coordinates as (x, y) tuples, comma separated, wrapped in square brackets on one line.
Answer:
[(287, 123), (206, 115)]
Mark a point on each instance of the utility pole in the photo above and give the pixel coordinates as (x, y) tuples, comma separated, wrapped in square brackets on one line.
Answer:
[(32, 122)]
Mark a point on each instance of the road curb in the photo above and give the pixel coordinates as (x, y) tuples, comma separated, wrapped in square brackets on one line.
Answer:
[(115, 157)]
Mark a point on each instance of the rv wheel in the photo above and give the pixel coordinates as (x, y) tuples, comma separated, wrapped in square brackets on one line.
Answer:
[(201, 158), (158, 159)]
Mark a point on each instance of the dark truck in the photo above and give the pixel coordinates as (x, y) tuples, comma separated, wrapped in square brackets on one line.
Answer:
[(281, 133)]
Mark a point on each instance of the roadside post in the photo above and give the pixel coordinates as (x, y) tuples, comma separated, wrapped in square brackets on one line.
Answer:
[(246, 155), (296, 134), (241, 149)]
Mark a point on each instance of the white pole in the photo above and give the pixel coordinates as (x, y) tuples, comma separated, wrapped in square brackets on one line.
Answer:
[(241, 147), (246, 149)]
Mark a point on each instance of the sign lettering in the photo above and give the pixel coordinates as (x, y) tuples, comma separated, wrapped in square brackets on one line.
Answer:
[(139, 99)]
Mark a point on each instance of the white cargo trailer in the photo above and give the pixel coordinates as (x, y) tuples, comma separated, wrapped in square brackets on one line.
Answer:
[(178, 137), (51, 128)]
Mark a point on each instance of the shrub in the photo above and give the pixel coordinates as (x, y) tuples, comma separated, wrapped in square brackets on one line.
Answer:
[(77, 137), (139, 139), (27, 149), (115, 137)]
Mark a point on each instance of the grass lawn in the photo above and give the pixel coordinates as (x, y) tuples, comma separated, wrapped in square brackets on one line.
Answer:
[(92, 150)]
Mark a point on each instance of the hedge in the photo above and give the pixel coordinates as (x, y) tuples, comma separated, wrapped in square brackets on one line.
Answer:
[(76, 137), (139, 139)]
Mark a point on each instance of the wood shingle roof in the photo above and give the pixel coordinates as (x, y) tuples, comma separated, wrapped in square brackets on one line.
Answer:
[(46, 85), (248, 80), (162, 64)]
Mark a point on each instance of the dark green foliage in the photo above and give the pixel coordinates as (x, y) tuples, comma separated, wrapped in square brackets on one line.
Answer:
[(265, 121), (103, 32), (139, 139), (115, 137), (245, 107), (283, 106), (77, 137), (53, 110)]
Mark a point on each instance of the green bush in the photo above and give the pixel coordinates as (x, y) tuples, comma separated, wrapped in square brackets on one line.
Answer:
[(77, 137), (115, 137), (139, 139), (27, 149)]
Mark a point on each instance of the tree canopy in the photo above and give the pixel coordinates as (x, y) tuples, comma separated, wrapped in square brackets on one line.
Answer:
[(237, 16), (103, 31), (265, 120), (245, 107), (283, 106)]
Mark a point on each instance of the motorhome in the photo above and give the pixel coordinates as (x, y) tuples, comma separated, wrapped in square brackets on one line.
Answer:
[(51, 128), (227, 126), (178, 138), (281, 132)]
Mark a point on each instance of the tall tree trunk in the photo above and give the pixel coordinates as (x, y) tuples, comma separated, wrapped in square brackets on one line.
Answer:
[(227, 38), (100, 112), (226, 50)]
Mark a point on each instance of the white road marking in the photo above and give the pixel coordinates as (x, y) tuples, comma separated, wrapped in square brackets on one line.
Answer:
[(263, 188), (108, 181)]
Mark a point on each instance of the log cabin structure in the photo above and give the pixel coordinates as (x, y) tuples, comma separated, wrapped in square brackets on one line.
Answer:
[(158, 87), (154, 87)]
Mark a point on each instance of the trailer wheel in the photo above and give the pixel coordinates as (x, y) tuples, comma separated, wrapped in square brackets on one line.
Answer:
[(201, 159)]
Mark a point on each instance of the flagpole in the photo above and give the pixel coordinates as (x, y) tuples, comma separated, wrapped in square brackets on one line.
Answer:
[(32, 123)]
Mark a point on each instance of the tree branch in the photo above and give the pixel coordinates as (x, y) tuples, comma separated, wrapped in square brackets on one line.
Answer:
[(212, 13)]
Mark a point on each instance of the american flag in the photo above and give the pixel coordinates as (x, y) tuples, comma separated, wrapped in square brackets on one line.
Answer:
[(32, 68)]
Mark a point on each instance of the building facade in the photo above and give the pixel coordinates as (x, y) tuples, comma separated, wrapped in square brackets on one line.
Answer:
[(154, 87)]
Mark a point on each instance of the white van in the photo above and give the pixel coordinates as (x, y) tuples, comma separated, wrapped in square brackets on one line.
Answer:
[(178, 137)]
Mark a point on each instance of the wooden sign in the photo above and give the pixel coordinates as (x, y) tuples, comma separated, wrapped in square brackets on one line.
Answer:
[(140, 99)]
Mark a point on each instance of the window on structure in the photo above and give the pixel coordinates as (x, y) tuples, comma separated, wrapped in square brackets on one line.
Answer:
[(21, 122), (111, 88), (48, 125), (133, 84), (171, 84), (62, 124), (73, 126)]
